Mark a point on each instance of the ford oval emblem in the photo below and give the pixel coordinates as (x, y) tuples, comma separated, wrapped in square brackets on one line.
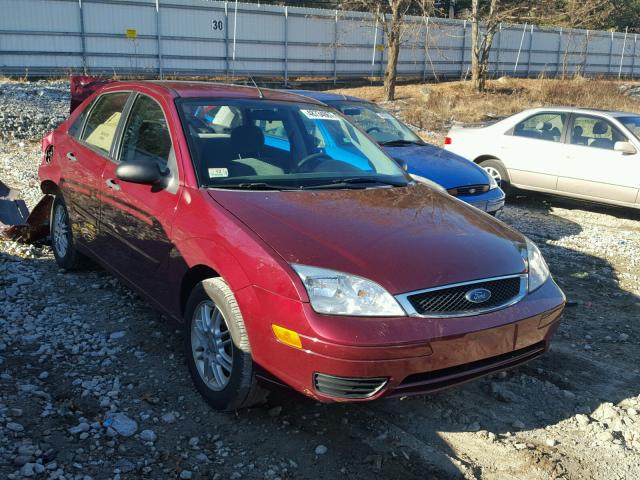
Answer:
[(478, 295)]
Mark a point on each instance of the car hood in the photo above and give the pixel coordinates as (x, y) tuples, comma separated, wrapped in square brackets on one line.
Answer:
[(443, 167), (404, 238)]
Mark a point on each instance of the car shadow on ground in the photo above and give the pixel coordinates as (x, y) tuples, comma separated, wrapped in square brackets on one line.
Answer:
[(417, 437)]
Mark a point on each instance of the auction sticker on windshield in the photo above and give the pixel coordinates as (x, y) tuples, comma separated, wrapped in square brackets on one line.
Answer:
[(218, 172), (320, 115)]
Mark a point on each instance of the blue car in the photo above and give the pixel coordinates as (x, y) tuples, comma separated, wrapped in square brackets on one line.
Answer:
[(460, 177)]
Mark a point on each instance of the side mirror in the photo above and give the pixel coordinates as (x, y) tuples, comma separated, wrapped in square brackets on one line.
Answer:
[(145, 173), (626, 148), (402, 164)]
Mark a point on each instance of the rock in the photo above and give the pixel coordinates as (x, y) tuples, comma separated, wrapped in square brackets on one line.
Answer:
[(28, 470), (185, 475), (82, 427), (275, 411), (124, 465), (321, 450), (582, 420), (15, 427), (550, 442), (518, 425), (623, 337), (117, 335), (148, 436), (122, 424), (168, 418)]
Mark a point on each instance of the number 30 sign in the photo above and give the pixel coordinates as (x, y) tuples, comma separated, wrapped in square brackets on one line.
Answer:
[(217, 25)]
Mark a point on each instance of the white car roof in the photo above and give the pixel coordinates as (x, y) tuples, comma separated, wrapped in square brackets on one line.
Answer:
[(588, 111)]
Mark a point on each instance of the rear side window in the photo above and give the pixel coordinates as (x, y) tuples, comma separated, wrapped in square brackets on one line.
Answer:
[(103, 119), (146, 136), (76, 128), (542, 126)]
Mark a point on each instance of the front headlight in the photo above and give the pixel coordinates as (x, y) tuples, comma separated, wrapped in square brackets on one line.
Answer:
[(492, 182), (537, 267), (338, 293)]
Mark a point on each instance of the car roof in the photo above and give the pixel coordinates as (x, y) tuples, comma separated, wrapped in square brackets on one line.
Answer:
[(327, 97), (596, 111), (192, 89)]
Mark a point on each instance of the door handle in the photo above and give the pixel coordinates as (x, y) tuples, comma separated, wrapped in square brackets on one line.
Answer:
[(112, 184), (71, 157)]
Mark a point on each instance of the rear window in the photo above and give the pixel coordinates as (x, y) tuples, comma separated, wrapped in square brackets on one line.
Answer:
[(102, 122)]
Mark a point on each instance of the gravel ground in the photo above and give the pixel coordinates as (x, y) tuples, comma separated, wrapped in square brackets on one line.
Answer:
[(93, 383)]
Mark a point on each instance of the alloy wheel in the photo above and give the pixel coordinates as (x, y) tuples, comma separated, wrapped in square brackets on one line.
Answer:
[(494, 173), (211, 346), (60, 230)]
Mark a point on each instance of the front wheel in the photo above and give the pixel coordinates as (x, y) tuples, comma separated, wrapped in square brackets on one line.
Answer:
[(496, 169), (217, 348)]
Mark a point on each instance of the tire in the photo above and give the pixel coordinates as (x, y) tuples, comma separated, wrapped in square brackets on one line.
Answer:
[(62, 241), (497, 170), (217, 348)]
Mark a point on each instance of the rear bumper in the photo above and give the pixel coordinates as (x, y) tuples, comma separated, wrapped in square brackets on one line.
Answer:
[(423, 355), (490, 202)]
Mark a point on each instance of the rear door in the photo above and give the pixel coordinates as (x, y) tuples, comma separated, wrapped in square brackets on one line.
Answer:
[(135, 222), (592, 168), (532, 150), (84, 152)]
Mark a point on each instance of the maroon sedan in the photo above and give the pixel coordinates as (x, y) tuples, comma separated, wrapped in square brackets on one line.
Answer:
[(289, 246)]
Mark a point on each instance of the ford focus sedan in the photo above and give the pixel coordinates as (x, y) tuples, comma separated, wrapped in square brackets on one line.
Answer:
[(572, 152), (459, 177), (323, 267)]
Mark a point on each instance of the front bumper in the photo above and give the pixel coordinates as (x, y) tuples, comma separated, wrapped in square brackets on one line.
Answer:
[(490, 202), (357, 359)]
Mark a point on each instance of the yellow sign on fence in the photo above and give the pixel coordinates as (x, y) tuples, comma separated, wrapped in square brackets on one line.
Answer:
[(132, 33), (380, 47)]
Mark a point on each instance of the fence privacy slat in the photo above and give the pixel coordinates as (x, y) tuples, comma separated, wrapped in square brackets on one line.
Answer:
[(217, 38)]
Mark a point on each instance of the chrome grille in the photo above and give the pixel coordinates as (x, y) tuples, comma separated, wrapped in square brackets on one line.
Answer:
[(453, 300)]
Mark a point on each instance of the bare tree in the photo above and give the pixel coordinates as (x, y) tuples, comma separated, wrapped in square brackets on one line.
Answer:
[(486, 16), (390, 15)]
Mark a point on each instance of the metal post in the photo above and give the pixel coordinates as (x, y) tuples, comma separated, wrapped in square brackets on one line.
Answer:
[(499, 48), (382, 50), (226, 40), (559, 52), (624, 45), (586, 54), (464, 47), (524, 31), (426, 52), (335, 50), (529, 56), (286, 46), (235, 26), (610, 53), (375, 42), (159, 38), (82, 39), (633, 64)]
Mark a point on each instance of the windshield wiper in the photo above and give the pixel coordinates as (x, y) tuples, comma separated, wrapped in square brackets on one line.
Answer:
[(252, 186), (401, 142), (353, 182)]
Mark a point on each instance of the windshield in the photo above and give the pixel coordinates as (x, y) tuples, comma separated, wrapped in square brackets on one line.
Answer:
[(377, 122), (632, 123), (266, 144)]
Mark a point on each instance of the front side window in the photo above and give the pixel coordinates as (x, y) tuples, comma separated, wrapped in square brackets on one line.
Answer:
[(542, 126), (595, 132), (270, 144), (383, 127), (102, 122), (146, 137), (632, 123)]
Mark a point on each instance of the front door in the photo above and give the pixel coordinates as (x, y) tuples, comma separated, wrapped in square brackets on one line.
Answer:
[(592, 168), (135, 222), (532, 150)]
